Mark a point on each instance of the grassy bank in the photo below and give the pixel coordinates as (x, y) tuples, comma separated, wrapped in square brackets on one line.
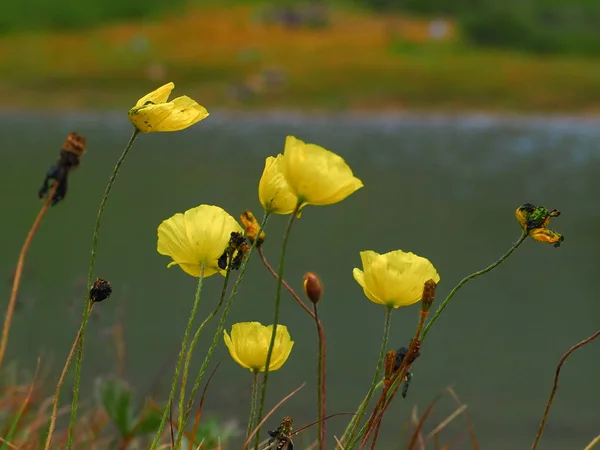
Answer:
[(230, 58)]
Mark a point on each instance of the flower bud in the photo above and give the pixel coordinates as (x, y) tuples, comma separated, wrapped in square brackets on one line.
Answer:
[(100, 291), (390, 361), (313, 288), (252, 227), (428, 295)]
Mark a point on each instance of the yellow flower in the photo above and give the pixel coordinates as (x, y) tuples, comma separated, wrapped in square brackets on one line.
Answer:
[(273, 191), (394, 279), (201, 235), (315, 175), (547, 236), (249, 345), (153, 113)]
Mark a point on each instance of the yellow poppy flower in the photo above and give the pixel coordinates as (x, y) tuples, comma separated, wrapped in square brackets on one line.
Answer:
[(394, 279), (273, 191), (200, 235), (249, 344), (154, 113), (315, 175)]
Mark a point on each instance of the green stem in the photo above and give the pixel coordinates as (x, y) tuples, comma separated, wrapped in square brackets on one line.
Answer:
[(183, 416), (468, 278), (180, 359), (87, 310), (224, 315), (253, 403), (351, 429), (265, 381)]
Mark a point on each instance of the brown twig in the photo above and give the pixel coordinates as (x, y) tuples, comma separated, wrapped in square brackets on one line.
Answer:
[(555, 385), (200, 406), (61, 380), (19, 271), (322, 380), (421, 422), (470, 427), (284, 283)]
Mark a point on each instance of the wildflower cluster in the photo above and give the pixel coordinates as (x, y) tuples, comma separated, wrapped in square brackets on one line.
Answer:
[(205, 240)]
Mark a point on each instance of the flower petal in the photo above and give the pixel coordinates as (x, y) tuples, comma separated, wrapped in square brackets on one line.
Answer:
[(273, 190), (173, 241), (316, 175), (160, 95), (184, 113)]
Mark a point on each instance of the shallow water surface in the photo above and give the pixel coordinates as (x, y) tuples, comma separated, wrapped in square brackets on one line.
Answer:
[(445, 188)]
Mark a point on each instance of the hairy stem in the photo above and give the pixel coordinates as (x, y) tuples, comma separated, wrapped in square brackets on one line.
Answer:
[(321, 382), (263, 392), (87, 310), (467, 279), (253, 402), (184, 341)]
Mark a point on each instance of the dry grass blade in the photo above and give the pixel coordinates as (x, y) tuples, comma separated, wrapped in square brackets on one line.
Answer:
[(421, 422), (200, 405), (171, 424), (8, 444), (299, 430), (445, 422), (453, 441), (470, 427), (592, 444), (281, 402), (18, 417), (339, 445), (414, 421)]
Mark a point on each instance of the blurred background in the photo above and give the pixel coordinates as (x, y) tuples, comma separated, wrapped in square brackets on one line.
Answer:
[(453, 113)]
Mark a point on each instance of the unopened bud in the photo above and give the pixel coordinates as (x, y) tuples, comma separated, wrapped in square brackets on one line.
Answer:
[(428, 295), (390, 361), (313, 288), (252, 228), (100, 291)]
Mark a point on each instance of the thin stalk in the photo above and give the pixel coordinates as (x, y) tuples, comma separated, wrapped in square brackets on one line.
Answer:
[(321, 382), (555, 385), (469, 278), (87, 310), (263, 392), (184, 412), (19, 271), (180, 358), (61, 380), (224, 315), (253, 402), (350, 433)]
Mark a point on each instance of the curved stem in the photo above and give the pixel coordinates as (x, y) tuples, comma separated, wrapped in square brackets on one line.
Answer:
[(252, 403), (350, 433), (265, 381), (61, 380), (469, 278), (555, 385), (180, 359), (19, 271), (87, 310), (285, 284), (184, 413), (321, 383)]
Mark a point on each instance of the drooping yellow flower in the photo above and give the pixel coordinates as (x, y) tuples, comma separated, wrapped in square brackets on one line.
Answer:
[(316, 176), (394, 279), (273, 191), (547, 236), (249, 345), (200, 235), (154, 113)]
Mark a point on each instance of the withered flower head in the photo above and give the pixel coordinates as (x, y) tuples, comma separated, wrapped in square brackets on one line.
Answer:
[(313, 288), (535, 219), (70, 154), (100, 291), (252, 227)]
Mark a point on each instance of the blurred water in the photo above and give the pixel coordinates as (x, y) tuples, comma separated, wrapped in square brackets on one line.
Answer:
[(442, 187)]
